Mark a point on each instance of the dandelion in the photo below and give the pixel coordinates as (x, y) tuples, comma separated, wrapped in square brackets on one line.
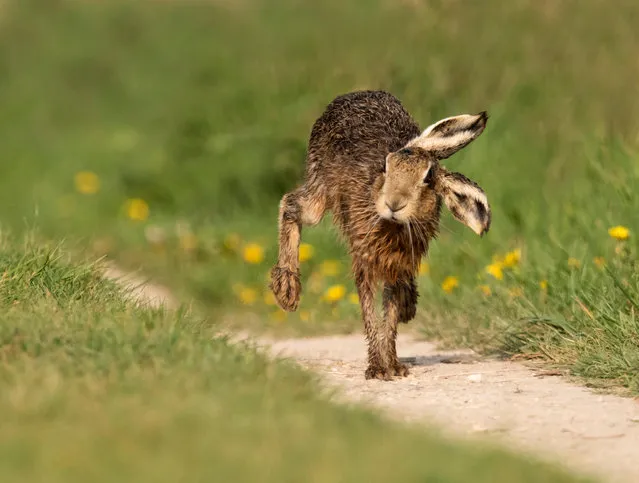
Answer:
[(306, 252), (269, 298), (450, 283), (353, 298), (600, 262), (137, 209), (424, 268), (330, 268), (335, 293), (512, 258), (495, 269), (305, 315), (619, 232), (573, 263), (253, 253), (485, 289), (247, 295), (87, 183), (543, 284)]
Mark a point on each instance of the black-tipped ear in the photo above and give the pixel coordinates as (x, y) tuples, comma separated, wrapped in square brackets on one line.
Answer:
[(466, 201), (446, 137)]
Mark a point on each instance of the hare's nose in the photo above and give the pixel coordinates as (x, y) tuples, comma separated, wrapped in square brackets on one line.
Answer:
[(395, 205)]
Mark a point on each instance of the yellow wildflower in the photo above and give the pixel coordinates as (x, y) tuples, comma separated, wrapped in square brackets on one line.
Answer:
[(253, 253), (137, 209), (269, 298), (305, 315), (424, 268), (450, 283), (495, 269), (306, 252), (619, 232), (573, 263), (599, 261), (353, 298), (485, 289), (247, 295), (543, 284), (512, 258), (87, 183), (232, 242), (330, 268), (335, 293)]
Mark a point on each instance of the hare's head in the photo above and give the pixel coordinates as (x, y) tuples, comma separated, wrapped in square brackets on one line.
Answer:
[(413, 181)]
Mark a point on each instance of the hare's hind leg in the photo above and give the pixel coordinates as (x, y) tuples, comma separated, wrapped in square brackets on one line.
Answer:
[(407, 295), (304, 206)]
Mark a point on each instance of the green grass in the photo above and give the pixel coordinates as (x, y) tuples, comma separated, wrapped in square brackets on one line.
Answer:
[(93, 388), (203, 109)]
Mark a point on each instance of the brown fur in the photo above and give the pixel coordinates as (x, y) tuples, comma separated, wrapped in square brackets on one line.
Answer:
[(382, 181)]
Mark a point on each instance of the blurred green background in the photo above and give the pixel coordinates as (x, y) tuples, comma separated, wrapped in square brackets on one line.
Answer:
[(164, 133)]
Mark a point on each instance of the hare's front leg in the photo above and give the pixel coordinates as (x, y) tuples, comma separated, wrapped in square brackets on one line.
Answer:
[(305, 205), (399, 300), (377, 367)]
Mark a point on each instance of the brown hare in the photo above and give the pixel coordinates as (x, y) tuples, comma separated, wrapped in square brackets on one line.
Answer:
[(379, 174)]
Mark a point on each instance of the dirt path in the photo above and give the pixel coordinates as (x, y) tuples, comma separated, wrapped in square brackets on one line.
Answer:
[(465, 395)]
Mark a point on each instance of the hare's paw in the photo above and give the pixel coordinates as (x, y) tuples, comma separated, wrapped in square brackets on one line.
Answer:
[(374, 371), (286, 287)]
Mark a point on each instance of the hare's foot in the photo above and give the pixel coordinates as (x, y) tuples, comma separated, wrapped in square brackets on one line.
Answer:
[(286, 287), (378, 371), (375, 371)]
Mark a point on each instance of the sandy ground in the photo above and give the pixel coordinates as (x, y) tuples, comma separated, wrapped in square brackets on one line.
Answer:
[(528, 410)]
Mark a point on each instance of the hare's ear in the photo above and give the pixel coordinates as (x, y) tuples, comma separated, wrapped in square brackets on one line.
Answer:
[(465, 200), (446, 137)]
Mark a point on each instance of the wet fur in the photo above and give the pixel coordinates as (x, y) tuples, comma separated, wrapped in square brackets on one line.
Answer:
[(345, 163)]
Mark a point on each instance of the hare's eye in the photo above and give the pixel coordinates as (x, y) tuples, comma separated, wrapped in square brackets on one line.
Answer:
[(406, 151)]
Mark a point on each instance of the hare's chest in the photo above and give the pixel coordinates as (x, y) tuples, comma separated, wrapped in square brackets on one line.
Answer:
[(390, 262)]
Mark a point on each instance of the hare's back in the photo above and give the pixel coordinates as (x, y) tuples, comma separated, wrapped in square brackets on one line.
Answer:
[(362, 125)]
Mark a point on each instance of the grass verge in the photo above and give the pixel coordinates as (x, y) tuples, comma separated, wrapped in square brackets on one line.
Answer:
[(94, 388)]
